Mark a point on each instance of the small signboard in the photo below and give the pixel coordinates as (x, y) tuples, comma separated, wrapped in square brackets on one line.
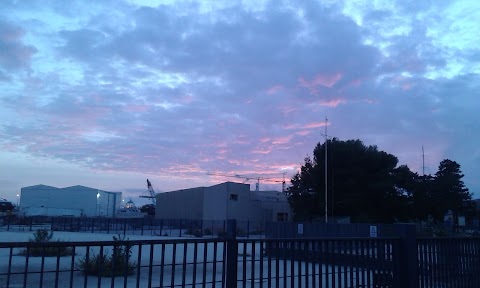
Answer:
[(461, 221), (373, 231), (300, 229)]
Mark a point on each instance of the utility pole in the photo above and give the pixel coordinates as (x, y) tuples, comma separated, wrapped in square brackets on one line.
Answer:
[(326, 175), (423, 162)]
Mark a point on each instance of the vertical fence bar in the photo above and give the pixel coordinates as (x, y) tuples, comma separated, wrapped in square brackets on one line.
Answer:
[(162, 265), (232, 254), (261, 263), (299, 262), (214, 263), (57, 267), (26, 267), (205, 260), (292, 263), (174, 255), (407, 255), (150, 265), (195, 258), (285, 245), (252, 265), (368, 254), (277, 264), (184, 264)]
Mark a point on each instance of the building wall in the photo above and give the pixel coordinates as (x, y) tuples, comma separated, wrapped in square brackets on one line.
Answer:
[(71, 201), (223, 201), (273, 203), (180, 204)]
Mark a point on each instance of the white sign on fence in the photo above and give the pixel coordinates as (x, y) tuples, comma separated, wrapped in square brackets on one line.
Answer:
[(373, 231), (300, 229)]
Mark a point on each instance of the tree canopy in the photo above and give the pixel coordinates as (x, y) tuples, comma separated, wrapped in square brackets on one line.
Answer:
[(369, 186)]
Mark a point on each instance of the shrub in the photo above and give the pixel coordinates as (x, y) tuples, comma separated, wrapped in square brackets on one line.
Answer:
[(207, 232), (41, 239), (117, 264), (197, 232)]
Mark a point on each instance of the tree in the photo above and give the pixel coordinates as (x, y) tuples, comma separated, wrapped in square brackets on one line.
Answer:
[(362, 184), (450, 192)]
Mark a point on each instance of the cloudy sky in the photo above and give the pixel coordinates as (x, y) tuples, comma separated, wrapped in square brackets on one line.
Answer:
[(110, 93)]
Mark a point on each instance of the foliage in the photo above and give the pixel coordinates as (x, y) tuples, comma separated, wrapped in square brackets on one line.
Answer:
[(41, 247), (367, 185), (117, 264), (361, 183), (207, 232), (197, 232), (450, 192)]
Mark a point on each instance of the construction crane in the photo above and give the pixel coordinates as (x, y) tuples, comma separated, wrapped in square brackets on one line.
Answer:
[(151, 191), (247, 178)]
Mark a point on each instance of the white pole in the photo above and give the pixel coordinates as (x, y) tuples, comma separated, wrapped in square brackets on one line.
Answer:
[(326, 176)]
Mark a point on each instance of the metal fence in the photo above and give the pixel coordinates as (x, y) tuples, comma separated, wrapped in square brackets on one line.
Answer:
[(205, 263), (395, 262), (449, 262), (133, 226)]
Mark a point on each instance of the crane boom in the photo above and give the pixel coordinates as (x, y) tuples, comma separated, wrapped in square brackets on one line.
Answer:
[(151, 191), (247, 178)]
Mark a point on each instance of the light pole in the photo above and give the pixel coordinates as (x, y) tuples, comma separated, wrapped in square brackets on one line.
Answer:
[(326, 175), (98, 203)]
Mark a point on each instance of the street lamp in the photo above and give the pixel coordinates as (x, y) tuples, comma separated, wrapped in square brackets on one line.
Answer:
[(98, 203)]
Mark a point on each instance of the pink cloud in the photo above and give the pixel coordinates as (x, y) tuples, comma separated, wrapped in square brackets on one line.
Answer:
[(303, 133), (274, 89), (282, 140), (332, 103), (262, 151), (314, 125)]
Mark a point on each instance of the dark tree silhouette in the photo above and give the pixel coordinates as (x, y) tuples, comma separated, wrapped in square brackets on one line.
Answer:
[(449, 192), (363, 185)]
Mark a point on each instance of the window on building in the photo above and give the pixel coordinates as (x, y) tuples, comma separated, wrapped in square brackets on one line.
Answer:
[(282, 217), (234, 197)]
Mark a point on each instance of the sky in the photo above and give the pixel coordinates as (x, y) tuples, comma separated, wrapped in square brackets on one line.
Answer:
[(106, 94)]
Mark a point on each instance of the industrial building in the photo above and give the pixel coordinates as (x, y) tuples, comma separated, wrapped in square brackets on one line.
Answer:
[(224, 201), (70, 201)]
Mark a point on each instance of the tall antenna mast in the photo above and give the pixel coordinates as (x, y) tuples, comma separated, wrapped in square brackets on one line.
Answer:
[(326, 177), (423, 161)]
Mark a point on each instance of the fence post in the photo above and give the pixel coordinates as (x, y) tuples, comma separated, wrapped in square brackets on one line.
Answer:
[(232, 254), (407, 256)]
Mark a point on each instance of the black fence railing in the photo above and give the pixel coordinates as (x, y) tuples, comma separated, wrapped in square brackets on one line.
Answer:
[(396, 262), (133, 226), (449, 262), (202, 263)]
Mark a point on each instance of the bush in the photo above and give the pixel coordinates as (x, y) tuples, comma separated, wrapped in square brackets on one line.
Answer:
[(117, 264), (197, 232), (207, 232), (41, 239)]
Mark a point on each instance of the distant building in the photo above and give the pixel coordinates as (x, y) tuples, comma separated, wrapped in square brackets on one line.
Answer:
[(224, 201), (70, 201)]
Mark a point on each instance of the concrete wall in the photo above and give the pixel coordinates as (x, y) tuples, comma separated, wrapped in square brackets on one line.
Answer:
[(74, 201), (273, 203), (223, 201), (180, 204)]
